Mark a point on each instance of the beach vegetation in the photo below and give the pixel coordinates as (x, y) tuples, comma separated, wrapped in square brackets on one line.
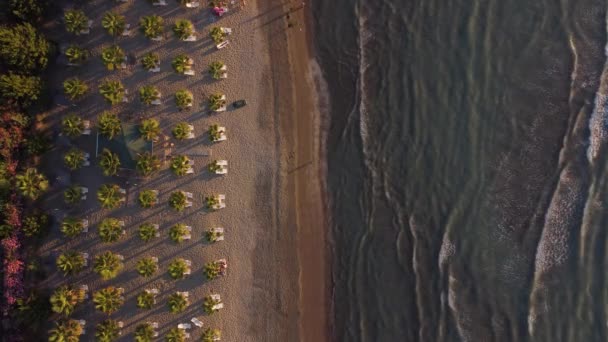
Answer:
[(214, 133), (27, 10), (209, 305), (109, 125), (216, 69), (147, 231), (214, 167), (178, 232), (176, 335), (112, 91), (147, 164), (217, 35), (145, 300), (148, 94), (76, 21), (72, 125), (181, 131), (114, 23), (212, 270), (76, 54), (66, 331), (149, 129), (31, 183), (178, 200), (183, 99), (70, 262), (211, 335), (177, 302), (109, 162), (107, 331), (144, 333), (74, 159), (74, 88), (107, 265), (146, 267), (65, 298), (23, 47), (20, 89), (152, 26), (110, 230), (212, 201), (71, 227), (113, 57), (109, 196), (216, 101), (73, 194), (213, 236), (181, 63), (35, 224), (178, 268), (180, 164), (148, 198), (150, 61), (183, 29)]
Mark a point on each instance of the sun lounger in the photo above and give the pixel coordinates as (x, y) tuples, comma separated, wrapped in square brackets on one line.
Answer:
[(190, 72), (188, 262), (217, 306), (188, 194), (157, 39), (190, 38), (83, 198), (125, 99), (121, 324), (85, 223), (152, 291), (193, 4), (122, 191), (85, 256), (184, 326), (160, 3), (190, 135), (222, 201), (184, 293), (188, 204), (84, 189), (220, 231), (188, 272), (153, 324), (120, 257), (187, 237), (157, 69), (86, 131), (186, 335), (226, 30), (190, 171), (216, 297), (82, 322), (86, 124), (197, 322), (222, 44), (156, 102), (127, 32), (189, 229), (155, 259)]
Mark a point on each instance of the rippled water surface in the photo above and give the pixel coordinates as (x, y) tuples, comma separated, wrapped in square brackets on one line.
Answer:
[(467, 168)]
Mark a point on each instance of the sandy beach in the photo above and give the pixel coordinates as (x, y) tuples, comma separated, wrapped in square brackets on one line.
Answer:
[(275, 288)]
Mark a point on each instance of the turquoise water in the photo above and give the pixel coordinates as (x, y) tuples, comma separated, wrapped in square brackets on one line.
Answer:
[(466, 168)]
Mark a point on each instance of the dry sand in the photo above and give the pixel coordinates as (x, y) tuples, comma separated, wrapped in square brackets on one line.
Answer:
[(273, 170)]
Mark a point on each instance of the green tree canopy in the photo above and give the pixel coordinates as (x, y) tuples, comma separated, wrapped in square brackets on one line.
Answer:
[(22, 47), (19, 89)]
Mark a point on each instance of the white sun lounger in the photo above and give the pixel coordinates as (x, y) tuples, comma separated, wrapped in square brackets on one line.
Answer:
[(84, 189), (222, 131), (188, 262), (190, 72), (157, 39), (156, 102), (85, 223), (122, 191), (193, 4), (157, 69), (187, 237), (226, 30), (190, 38), (188, 194), (216, 297), (121, 324), (190, 171), (184, 293), (188, 204), (218, 306), (120, 257), (153, 324), (186, 335), (190, 135), (184, 326), (86, 163), (85, 256), (153, 291), (188, 272), (160, 3), (219, 230), (222, 44), (127, 32), (222, 203), (197, 322)]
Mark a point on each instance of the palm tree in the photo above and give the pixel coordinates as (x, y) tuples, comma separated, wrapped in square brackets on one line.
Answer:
[(109, 124), (146, 267), (178, 232), (211, 335), (178, 268), (216, 101), (177, 302), (176, 335), (75, 21), (109, 162), (74, 88), (214, 133), (71, 227), (112, 57), (114, 23), (217, 35), (144, 333), (148, 94), (112, 91), (73, 194), (214, 167), (178, 200), (181, 63), (72, 125), (183, 99), (216, 70), (213, 236), (181, 131), (212, 270), (110, 230), (107, 265), (209, 305), (212, 201), (145, 300), (66, 331), (148, 198), (180, 165), (74, 159), (150, 129), (70, 262), (152, 26), (65, 299), (107, 331), (76, 55), (31, 183), (147, 163), (147, 231), (109, 196), (183, 29), (150, 61)]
